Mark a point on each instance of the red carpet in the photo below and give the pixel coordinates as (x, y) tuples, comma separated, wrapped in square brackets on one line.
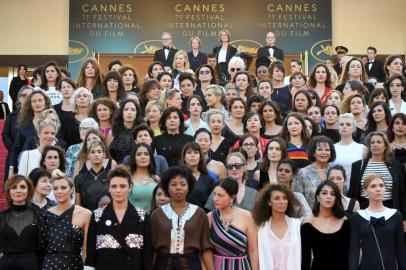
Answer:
[(3, 156)]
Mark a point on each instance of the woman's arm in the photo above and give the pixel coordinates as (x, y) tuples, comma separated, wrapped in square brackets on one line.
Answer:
[(86, 218), (252, 237), (23, 164)]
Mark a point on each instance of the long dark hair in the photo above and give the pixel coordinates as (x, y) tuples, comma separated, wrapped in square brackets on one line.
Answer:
[(196, 147), (120, 89), (118, 123), (304, 134), (389, 130), (371, 124), (338, 208), (151, 166)]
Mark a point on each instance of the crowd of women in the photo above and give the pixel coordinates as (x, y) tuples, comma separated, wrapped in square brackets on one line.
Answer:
[(183, 172)]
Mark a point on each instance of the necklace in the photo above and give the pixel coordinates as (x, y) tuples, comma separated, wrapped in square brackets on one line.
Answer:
[(146, 180), (398, 145), (226, 222), (95, 176)]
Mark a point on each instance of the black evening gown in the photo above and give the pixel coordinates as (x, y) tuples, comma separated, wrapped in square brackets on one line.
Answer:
[(63, 242), (330, 251), (20, 238)]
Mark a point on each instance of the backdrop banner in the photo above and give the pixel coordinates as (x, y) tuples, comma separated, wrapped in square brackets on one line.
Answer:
[(135, 26)]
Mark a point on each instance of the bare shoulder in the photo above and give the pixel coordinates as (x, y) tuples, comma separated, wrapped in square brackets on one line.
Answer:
[(308, 220), (82, 211), (243, 213)]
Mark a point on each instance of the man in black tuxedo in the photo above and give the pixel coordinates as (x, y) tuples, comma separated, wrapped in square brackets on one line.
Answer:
[(341, 52), (167, 53), (374, 67), (270, 50)]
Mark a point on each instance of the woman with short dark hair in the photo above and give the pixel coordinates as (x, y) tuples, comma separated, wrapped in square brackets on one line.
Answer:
[(180, 230), (170, 143), (21, 227), (233, 231), (321, 153), (119, 234)]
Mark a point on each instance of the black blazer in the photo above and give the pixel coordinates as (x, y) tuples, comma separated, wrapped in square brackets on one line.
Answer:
[(7, 109), (160, 57), (398, 187), (264, 52), (338, 68), (376, 70), (231, 51)]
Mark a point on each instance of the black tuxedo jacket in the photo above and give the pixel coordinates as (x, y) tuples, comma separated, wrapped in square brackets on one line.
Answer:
[(264, 52), (231, 51), (160, 57), (337, 67), (376, 70)]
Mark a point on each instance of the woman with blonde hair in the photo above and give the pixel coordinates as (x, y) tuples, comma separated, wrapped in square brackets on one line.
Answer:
[(153, 113), (46, 132), (66, 226), (377, 231), (81, 102), (215, 96), (196, 57), (180, 65)]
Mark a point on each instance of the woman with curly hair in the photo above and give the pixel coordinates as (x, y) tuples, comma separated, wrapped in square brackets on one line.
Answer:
[(280, 246)]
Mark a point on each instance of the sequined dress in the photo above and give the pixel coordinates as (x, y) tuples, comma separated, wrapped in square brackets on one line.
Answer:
[(63, 242)]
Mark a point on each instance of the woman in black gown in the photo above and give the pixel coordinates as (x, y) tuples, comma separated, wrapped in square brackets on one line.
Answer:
[(378, 231), (119, 236), (327, 234), (19, 227), (65, 228)]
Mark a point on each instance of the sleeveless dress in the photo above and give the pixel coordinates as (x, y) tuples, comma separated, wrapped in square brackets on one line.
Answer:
[(63, 242), (230, 247)]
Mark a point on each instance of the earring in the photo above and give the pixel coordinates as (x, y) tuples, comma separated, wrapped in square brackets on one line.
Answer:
[(231, 204)]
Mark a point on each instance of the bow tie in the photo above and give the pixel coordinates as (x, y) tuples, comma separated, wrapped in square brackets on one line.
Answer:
[(166, 48), (271, 47), (371, 62), (377, 221)]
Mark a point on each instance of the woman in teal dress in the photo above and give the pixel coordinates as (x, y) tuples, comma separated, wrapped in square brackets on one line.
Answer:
[(144, 181)]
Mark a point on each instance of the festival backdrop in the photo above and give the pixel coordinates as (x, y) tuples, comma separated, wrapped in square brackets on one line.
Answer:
[(135, 26)]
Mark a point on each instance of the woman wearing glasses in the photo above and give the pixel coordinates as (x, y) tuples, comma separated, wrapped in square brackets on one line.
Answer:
[(205, 76), (236, 166)]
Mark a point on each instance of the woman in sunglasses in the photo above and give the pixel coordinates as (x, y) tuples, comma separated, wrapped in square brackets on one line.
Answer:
[(205, 76), (236, 166)]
